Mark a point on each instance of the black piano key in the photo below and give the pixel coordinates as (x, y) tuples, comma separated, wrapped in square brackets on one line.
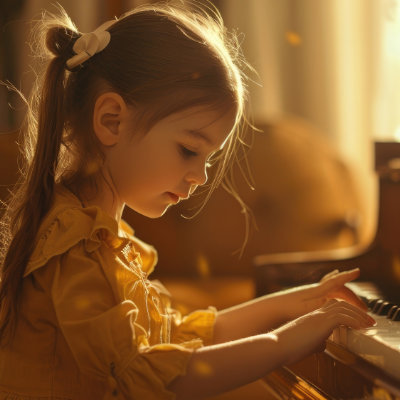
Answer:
[(384, 308), (377, 306), (396, 315), (392, 311), (371, 303)]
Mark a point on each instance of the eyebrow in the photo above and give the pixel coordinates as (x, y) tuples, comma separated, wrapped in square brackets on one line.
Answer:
[(199, 135)]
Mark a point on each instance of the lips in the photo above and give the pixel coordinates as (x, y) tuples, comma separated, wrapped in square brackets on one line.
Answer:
[(174, 197)]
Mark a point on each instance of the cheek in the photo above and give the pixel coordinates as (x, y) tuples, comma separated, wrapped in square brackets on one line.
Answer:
[(145, 167), (122, 168), (162, 161)]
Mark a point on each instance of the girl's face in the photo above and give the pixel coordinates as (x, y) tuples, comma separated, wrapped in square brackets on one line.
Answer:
[(154, 171)]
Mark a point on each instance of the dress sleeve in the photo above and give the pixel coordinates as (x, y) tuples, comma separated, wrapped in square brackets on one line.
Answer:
[(102, 331), (197, 324)]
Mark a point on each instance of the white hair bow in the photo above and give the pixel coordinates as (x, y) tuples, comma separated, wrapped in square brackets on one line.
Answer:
[(90, 44)]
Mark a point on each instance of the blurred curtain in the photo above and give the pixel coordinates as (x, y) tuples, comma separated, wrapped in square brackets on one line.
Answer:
[(387, 96), (317, 60)]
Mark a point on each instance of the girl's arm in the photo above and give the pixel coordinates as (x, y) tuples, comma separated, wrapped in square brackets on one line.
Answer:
[(270, 311), (222, 367)]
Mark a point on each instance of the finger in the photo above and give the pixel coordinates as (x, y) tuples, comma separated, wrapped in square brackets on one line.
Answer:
[(350, 321), (341, 278), (349, 275), (327, 276), (349, 309), (330, 302), (344, 293)]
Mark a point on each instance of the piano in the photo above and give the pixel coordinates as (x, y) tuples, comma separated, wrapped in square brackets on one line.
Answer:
[(356, 364)]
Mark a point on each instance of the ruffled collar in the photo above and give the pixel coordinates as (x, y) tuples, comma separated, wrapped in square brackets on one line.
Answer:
[(69, 222)]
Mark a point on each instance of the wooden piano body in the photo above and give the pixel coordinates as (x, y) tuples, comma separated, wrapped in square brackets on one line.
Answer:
[(345, 370)]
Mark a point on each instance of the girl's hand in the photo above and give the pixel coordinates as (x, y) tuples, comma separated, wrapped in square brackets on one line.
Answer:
[(308, 333), (331, 286)]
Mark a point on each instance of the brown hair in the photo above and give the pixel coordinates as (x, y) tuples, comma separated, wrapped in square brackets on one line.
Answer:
[(155, 50)]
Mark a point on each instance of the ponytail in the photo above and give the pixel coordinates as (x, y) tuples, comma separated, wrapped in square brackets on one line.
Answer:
[(33, 196)]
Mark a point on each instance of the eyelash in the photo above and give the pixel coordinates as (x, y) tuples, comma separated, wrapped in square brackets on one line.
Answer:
[(187, 153)]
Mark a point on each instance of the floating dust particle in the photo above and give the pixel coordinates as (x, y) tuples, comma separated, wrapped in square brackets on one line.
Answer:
[(293, 38), (396, 267), (203, 266), (195, 75), (203, 368), (82, 303), (92, 167)]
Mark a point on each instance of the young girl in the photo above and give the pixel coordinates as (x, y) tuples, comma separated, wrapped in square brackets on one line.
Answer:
[(131, 114)]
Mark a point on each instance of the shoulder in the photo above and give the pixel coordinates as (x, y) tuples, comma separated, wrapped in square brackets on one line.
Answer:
[(67, 224)]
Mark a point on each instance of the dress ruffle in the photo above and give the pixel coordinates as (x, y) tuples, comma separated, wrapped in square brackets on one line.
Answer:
[(92, 226), (67, 229)]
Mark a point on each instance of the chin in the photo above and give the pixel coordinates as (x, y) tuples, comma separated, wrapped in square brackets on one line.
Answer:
[(153, 214)]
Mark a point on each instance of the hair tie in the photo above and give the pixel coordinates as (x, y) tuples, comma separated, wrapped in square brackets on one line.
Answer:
[(90, 44)]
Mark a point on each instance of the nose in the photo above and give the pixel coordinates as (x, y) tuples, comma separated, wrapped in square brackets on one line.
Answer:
[(198, 176)]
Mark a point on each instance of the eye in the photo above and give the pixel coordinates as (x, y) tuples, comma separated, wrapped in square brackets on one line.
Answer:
[(187, 153)]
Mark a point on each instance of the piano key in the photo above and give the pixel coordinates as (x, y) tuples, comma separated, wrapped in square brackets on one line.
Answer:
[(384, 308), (396, 315), (391, 312), (371, 303), (377, 306)]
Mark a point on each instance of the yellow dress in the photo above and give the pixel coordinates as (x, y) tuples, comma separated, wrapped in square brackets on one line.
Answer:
[(91, 324)]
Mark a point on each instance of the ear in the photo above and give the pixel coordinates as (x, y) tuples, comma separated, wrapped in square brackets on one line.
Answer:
[(108, 111)]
